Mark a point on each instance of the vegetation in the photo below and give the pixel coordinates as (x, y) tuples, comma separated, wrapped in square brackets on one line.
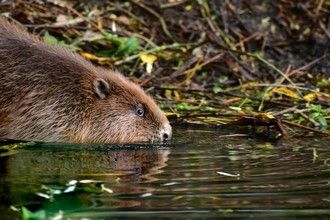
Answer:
[(206, 62)]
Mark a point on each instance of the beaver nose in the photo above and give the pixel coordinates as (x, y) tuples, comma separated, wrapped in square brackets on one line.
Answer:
[(166, 133)]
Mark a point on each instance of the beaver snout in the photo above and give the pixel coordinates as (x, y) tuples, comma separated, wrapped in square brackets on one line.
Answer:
[(166, 133)]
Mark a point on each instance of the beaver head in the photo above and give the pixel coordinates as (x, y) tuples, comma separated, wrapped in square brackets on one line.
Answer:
[(123, 112)]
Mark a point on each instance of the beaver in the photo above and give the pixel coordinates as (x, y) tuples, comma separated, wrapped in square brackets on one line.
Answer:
[(51, 94)]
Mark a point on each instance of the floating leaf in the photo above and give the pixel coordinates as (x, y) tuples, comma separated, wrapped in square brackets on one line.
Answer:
[(228, 174), (146, 195), (72, 182), (170, 184), (89, 181), (105, 189), (44, 195), (70, 189), (177, 197)]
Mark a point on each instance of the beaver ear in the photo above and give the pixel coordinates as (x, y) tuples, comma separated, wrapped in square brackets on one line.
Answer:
[(101, 88)]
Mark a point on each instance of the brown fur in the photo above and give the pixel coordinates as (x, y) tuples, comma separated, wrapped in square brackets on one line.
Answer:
[(48, 93)]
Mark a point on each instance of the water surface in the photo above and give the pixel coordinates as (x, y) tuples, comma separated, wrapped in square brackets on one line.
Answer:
[(203, 173)]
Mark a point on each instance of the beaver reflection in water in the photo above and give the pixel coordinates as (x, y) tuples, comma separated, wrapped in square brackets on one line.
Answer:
[(50, 94)]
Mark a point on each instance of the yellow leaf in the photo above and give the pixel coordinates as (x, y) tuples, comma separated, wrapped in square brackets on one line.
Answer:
[(286, 91), (176, 95), (90, 56), (168, 94), (310, 96), (267, 115), (267, 95), (148, 59)]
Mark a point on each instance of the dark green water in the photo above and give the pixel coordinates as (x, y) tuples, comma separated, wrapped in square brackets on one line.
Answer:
[(202, 174)]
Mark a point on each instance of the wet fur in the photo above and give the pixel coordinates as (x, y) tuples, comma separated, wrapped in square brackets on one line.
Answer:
[(47, 94)]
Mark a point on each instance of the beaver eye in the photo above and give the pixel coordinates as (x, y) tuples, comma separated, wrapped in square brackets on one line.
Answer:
[(139, 111)]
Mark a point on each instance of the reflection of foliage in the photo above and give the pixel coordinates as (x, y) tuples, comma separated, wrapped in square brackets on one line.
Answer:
[(28, 215), (60, 199), (9, 149)]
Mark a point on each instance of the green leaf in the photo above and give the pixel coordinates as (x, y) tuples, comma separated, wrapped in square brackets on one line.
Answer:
[(322, 121), (315, 115), (124, 46), (128, 47), (117, 41), (51, 40), (185, 107), (216, 89)]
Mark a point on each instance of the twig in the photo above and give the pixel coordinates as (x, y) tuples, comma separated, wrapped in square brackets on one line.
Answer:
[(160, 18), (205, 10), (198, 65), (326, 31), (119, 8), (153, 50), (275, 85), (304, 67), (315, 124), (183, 68), (257, 56), (172, 4), (291, 109), (148, 41), (58, 24), (326, 133), (319, 6)]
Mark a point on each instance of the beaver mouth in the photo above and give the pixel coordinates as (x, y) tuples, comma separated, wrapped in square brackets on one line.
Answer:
[(154, 140), (157, 139)]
